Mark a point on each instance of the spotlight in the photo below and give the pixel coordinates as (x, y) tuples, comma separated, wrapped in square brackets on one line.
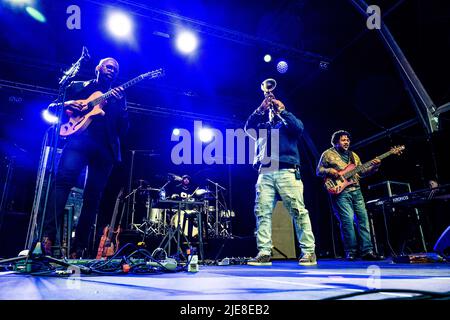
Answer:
[(119, 24), (48, 117), (282, 66), (267, 58), (176, 132), (36, 14), (20, 2), (205, 135), (186, 42)]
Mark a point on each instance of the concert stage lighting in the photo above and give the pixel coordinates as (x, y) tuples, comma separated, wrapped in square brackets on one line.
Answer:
[(48, 117), (119, 24), (205, 135), (35, 14), (176, 132), (267, 58), (186, 42), (29, 8), (282, 66), (20, 2)]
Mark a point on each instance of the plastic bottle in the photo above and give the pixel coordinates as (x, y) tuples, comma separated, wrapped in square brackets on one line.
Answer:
[(193, 261)]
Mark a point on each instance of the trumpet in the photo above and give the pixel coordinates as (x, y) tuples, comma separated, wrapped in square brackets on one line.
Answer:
[(267, 86)]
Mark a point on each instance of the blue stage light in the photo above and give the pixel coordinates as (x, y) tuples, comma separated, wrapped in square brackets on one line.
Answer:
[(20, 2), (186, 42), (48, 117), (176, 132), (267, 58), (282, 66), (119, 24), (36, 14), (205, 135)]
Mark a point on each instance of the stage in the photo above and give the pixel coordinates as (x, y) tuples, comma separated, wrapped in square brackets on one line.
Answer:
[(284, 280), (223, 130)]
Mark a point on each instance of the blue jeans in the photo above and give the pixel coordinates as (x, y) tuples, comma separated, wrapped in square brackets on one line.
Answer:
[(349, 206), (284, 184)]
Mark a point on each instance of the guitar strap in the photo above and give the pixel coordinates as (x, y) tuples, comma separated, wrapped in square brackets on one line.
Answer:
[(352, 158)]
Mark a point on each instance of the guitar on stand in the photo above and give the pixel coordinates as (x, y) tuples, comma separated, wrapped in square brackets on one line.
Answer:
[(109, 242), (93, 106), (337, 185)]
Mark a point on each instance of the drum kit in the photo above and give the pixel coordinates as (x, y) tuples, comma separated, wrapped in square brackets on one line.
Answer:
[(153, 214)]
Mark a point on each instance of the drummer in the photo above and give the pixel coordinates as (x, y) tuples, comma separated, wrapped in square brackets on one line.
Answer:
[(184, 189)]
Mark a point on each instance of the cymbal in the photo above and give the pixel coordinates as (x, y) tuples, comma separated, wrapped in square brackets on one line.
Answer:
[(141, 183), (200, 192), (174, 176), (152, 189), (148, 153)]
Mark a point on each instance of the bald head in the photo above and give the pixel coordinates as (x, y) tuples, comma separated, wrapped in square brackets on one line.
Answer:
[(107, 70)]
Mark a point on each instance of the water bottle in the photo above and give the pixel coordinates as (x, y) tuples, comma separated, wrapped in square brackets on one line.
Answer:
[(193, 261)]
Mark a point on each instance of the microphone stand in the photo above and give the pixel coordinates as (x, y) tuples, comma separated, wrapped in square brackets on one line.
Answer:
[(51, 139), (217, 204), (54, 140)]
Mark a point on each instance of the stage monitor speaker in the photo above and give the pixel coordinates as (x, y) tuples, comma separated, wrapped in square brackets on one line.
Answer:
[(443, 242), (283, 239)]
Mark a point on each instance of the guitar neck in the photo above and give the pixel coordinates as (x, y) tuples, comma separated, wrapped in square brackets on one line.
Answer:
[(114, 217), (366, 165), (108, 94)]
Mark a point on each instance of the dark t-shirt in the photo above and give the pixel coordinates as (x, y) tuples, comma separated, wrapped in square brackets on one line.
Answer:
[(106, 130), (179, 188)]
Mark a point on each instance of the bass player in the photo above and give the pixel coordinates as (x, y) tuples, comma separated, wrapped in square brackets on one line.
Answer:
[(349, 203), (97, 147)]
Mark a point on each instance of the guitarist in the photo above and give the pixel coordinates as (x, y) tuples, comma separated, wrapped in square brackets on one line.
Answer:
[(97, 147), (349, 203)]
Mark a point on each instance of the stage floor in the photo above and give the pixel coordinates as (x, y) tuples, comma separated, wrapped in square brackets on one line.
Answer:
[(284, 280)]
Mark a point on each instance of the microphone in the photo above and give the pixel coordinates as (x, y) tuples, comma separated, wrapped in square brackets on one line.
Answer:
[(85, 54), (73, 70)]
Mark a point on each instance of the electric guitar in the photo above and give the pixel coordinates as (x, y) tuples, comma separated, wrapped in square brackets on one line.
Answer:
[(337, 185), (79, 120), (109, 246)]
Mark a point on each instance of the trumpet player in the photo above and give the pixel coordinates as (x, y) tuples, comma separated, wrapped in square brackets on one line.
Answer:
[(278, 176)]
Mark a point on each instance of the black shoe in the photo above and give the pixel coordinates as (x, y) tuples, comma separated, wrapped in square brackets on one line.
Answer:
[(372, 257), (350, 256)]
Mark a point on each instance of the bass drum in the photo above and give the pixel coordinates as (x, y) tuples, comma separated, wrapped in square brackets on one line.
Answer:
[(189, 219), (156, 215)]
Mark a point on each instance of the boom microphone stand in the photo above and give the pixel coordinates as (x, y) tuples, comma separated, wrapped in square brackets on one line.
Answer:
[(52, 138)]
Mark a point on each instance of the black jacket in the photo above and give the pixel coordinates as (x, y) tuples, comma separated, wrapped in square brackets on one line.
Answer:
[(109, 129), (289, 136)]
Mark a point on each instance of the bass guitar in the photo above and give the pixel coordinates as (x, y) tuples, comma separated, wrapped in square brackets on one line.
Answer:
[(337, 185), (109, 246), (78, 121)]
